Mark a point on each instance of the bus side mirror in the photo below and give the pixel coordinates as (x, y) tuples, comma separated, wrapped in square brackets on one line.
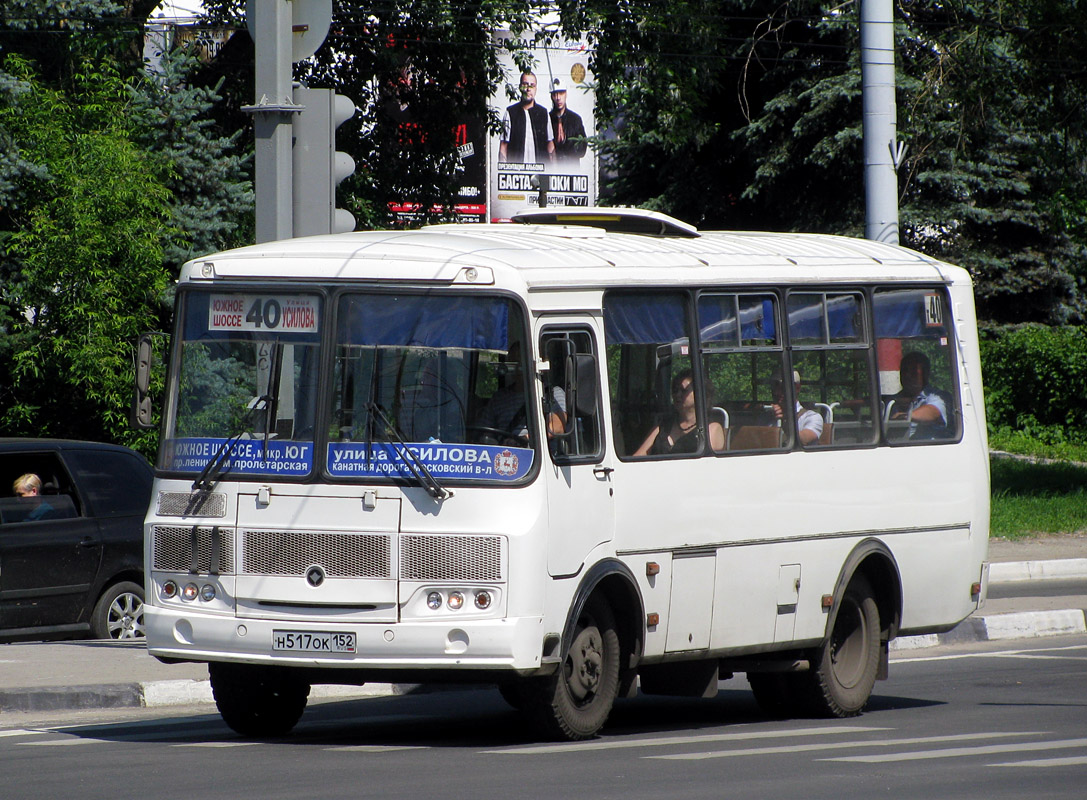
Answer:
[(141, 400)]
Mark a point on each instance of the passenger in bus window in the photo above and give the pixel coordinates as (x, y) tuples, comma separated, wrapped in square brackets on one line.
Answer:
[(504, 418), (809, 424), (679, 433), (923, 405)]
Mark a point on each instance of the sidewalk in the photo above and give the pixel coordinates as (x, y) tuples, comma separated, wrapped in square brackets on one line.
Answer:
[(46, 676)]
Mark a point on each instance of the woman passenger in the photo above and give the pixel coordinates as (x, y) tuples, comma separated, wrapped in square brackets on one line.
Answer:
[(680, 433)]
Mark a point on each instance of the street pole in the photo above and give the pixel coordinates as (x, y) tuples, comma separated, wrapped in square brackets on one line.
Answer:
[(882, 153), (270, 26)]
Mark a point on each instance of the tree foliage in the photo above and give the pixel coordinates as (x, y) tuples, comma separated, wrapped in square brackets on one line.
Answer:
[(747, 113), (415, 69), (110, 177), (85, 270)]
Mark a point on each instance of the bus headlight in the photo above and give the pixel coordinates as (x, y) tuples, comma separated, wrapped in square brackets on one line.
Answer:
[(456, 600), (189, 592), (433, 601), (207, 593)]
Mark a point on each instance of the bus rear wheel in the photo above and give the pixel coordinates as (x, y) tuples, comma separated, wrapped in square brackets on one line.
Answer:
[(575, 702), (844, 669), (258, 701)]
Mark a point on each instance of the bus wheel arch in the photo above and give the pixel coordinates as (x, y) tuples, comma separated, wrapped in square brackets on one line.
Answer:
[(864, 617), (613, 580), (601, 643)]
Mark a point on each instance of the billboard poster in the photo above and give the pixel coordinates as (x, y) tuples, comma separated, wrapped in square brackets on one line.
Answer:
[(403, 138), (548, 113)]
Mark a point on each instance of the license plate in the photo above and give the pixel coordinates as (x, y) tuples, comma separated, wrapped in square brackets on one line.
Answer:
[(313, 642)]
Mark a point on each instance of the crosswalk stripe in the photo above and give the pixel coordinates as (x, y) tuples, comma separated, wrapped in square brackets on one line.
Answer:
[(1071, 761), (957, 752), (807, 748), (372, 748), (20, 732), (995, 654), (666, 741), (216, 744), (60, 742)]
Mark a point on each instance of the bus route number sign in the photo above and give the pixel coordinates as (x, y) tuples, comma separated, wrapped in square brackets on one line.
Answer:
[(245, 312)]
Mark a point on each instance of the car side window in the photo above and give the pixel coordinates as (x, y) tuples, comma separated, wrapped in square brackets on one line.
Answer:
[(115, 484), (45, 488)]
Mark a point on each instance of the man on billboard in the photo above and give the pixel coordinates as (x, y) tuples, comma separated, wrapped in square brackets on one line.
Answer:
[(570, 142), (527, 135)]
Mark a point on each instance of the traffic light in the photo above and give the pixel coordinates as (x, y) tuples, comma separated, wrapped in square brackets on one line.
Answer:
[(318, 166)]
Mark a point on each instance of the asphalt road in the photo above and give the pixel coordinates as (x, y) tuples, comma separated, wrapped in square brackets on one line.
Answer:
[(994, 720)]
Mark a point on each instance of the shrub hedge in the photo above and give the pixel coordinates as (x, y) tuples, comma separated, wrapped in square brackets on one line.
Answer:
[(1036, 381)]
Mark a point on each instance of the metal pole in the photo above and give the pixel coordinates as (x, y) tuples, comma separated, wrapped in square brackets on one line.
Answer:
[(881, 150), (271, 31)]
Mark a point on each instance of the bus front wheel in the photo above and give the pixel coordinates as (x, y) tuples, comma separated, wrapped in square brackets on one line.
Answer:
[(574, 703), (844, 669), (258, 701)]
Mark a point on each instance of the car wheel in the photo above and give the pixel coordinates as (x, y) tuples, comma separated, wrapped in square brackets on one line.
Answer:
[(118, 614)]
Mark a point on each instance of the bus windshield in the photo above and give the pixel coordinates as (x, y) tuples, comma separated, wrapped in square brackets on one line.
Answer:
[(247, 383), (441, 376), (420, 388)]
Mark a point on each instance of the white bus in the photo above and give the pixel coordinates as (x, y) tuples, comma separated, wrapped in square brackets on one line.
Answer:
[(574, 460)]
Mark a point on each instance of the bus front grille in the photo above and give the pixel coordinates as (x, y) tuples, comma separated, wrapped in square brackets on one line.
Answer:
[(191, 504), (450, 558), (172, 548), (340, 555)]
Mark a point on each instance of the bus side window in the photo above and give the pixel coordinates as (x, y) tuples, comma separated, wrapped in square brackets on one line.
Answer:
[(743, 361), (918, 385), (830, 342), (648, 348)]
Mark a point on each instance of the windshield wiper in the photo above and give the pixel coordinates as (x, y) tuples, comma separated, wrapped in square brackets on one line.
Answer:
[(213, 471), (414, 464)]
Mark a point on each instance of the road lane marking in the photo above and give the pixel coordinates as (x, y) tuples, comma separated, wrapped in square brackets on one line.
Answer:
[(959, 752), (61, 742), (1027, 653), (667, 741), (217, 744), (21, 732), (1071, 761), (373, 748), (808, 748)]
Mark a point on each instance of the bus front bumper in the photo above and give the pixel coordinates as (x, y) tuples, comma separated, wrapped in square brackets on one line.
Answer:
[(514, 644)]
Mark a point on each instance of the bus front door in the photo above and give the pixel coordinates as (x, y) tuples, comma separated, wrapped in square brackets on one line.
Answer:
[(581, 513)]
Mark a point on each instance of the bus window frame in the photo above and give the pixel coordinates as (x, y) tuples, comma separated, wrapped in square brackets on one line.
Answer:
[(954, 357), (559, 458), (532, 406)]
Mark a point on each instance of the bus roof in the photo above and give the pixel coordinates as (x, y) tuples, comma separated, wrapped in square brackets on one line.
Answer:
[(573, 256)]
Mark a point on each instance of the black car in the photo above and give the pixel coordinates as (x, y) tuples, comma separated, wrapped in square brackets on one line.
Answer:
[(71, 556)]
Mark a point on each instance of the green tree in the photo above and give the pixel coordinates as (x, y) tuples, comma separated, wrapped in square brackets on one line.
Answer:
[(110, 178), (747, 113), (85, 270), (415, 69)]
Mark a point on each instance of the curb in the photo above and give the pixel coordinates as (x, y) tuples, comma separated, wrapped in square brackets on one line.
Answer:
[(995, 627), (1055, 569), (159, 694)]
